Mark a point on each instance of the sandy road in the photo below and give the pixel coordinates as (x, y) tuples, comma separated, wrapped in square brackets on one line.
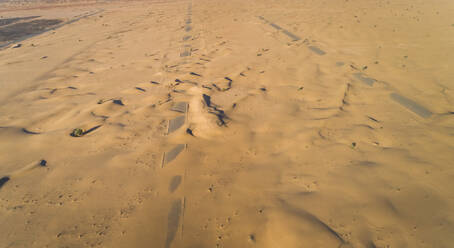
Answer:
[(314, 124)]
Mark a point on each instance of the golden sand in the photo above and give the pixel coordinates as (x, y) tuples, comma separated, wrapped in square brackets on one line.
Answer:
[(273, 124)]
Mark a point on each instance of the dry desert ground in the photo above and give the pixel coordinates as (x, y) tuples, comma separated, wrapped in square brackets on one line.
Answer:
[(209, 124)]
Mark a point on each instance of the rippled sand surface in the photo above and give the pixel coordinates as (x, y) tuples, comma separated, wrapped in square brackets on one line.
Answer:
[(260, 123)]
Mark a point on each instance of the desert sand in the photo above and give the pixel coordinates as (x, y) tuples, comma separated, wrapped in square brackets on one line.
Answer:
[(262, 123)]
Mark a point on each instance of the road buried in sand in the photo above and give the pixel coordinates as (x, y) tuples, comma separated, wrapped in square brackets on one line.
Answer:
[(227, 124)]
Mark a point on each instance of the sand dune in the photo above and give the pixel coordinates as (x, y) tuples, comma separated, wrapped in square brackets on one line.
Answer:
[(229, 124)]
